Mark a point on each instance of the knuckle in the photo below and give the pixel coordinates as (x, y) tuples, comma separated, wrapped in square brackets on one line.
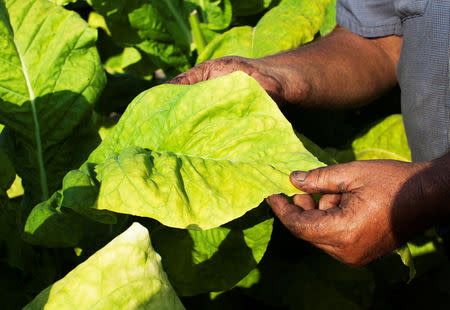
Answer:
[(316, 177), (204, 63), (229, 59), (308, 227), (202, 66), (322, 175), (342, 187), (234, 61)]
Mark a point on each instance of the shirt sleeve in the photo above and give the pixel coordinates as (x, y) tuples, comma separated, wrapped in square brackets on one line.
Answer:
[(369, 18)]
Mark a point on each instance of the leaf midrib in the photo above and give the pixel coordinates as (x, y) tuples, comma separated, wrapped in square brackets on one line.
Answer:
[(40, 156)]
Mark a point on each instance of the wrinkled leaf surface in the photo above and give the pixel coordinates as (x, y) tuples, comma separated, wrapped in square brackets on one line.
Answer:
[(192, 156), (125, 274)]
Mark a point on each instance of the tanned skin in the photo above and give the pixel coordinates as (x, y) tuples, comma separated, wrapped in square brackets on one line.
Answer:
[(368, 208), (338, 71)]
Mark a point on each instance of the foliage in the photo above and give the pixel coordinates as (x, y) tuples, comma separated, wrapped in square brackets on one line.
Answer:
[(286, 26), (52, 70), (79, 163), (123, 267), (329, 22), (149, 166), (215, 259), (250, 7), (384, 140)]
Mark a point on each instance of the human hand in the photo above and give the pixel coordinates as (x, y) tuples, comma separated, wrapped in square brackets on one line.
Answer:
[(368, 208), (271, 80)]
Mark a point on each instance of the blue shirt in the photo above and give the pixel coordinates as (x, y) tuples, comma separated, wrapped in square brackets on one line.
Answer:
[(423, 68)]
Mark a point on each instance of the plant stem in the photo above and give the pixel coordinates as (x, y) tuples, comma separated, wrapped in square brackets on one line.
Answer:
[(202, 5), (197, 35), (42, 172), (37, 131), (180, 21)]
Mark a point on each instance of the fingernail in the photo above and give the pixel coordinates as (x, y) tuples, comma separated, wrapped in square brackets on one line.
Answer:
[(299, 176)]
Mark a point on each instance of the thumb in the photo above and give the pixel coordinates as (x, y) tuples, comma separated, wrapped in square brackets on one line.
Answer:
[(326, 180)]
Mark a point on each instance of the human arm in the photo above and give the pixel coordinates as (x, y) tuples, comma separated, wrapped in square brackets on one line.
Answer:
[(339, 70), (369, 208)]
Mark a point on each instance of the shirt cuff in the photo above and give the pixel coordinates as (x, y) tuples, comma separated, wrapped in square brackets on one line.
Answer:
[(367, 24)]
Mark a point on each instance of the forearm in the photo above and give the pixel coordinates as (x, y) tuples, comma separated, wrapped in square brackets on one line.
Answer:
[(339, 70)]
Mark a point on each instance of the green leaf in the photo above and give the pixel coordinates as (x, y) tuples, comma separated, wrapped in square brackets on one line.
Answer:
[(117, 59), (117, 63), (50, 69), (237, 41), (69, 154), (215, 14), (408, 260), (14, 250), (16, 189), (252, 278), (215, 259), (119, 92), (302, 283), (96, 20), (428, 252), (249, 7), (193, 156), (198, 38), (385, 140), (208, 34), (145, 69), (316, 150), (125, 274), (158, 28), (7, 173), (105, 123), (284, 27), (330, 19), (62, 2), (52, 64), (50, 226)]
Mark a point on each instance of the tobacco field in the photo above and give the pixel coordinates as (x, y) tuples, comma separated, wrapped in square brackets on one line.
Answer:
[(121, 191)]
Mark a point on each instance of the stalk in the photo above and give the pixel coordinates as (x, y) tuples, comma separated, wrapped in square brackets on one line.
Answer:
[(197, 35), (42, 172), (202, 5), (37, 131), (179, 20)]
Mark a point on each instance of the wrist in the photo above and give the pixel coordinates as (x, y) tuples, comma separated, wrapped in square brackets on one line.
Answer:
[(294, 88), (434, 187)]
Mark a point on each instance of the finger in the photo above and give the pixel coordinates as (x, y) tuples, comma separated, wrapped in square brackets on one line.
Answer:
[(327, 180), (312, 225), (226, 65), (190, 77), (329, 201), (282, 204), (306, 201), (182, 79)]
